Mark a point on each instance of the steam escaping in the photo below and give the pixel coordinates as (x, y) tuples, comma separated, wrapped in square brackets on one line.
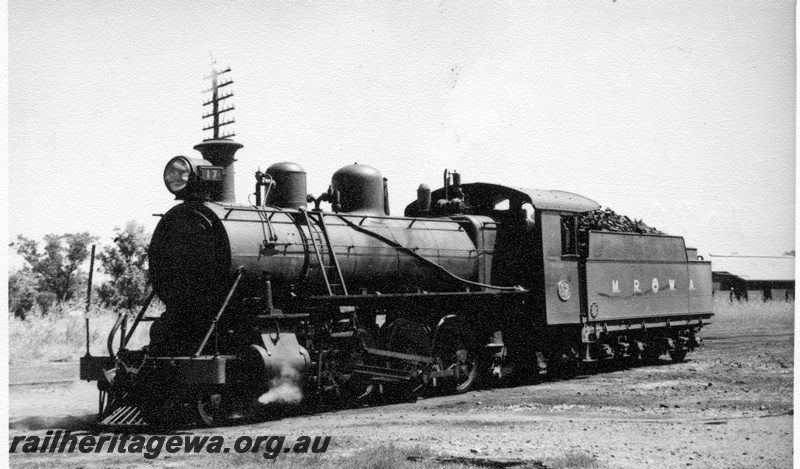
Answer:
[(284, 388)]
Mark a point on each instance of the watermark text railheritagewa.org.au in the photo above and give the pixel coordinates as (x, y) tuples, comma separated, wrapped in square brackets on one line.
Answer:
[(152, 446)]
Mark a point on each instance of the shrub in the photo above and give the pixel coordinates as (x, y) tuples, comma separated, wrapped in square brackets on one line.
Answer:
[(740, 316), (59, 333)]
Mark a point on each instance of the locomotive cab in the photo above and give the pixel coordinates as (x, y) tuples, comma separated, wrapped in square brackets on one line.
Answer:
[(536, 242)]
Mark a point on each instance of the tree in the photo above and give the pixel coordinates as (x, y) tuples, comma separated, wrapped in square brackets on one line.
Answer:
[(126, 263), (57, 267), (23, 286)]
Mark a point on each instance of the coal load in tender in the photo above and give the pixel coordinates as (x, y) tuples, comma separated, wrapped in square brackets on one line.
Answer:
[(608, 220)]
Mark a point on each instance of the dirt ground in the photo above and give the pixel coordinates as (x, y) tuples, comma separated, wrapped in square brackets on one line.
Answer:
[(729, 405)]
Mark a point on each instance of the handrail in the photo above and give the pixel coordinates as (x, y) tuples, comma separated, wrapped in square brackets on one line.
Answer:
[(124, 340), (139, 317), (332, 253), (219, 314), (110, 342), (311, 232)]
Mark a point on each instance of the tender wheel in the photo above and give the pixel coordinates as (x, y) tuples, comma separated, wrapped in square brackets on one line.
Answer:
[(678, 356), (651, 355), (637, 354)]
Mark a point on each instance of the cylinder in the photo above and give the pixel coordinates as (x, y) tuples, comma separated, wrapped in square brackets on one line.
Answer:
[(360, 188), (289, 190)]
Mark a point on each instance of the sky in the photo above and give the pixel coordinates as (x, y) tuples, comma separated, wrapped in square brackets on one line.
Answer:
[(678, 113)]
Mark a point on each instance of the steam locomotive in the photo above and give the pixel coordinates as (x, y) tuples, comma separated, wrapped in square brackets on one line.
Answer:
[(286, 299), (475, 281)]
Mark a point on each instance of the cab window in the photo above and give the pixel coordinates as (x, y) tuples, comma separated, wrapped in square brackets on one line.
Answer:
[(502, 205), (528, 214)]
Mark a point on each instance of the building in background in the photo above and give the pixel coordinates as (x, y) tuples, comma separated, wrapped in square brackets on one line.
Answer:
[(753, 277)]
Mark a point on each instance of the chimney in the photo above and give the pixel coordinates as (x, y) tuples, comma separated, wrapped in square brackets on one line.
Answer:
[(220, 153)]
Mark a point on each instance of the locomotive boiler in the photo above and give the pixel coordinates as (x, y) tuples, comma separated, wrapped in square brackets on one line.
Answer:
[(345, 303)]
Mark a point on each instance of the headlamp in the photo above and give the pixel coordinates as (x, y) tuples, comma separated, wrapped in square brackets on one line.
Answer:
[(177, 174), (186, 177)]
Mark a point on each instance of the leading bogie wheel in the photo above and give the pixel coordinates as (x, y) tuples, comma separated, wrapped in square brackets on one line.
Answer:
[(211, 409)]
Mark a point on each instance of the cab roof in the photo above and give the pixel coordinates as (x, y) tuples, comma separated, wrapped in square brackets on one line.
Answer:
[(481, 194)]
